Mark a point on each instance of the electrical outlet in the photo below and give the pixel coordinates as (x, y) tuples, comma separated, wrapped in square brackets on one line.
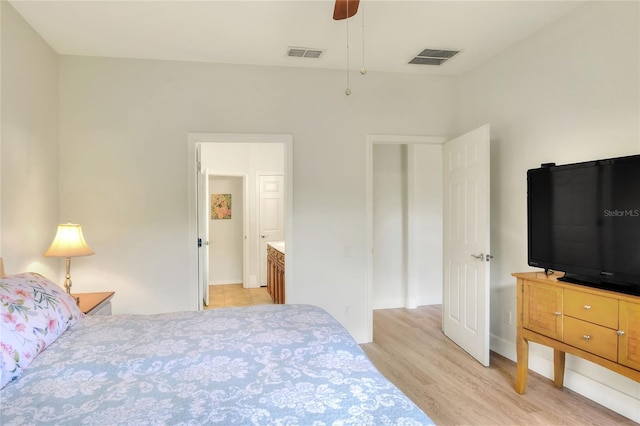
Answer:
[(346, 310)]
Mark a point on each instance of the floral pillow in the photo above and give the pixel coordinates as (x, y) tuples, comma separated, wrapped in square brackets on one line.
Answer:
[(33, 313)]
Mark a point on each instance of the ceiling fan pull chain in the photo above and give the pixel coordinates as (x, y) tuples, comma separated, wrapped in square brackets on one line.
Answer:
[(347, 90), (363, 69)]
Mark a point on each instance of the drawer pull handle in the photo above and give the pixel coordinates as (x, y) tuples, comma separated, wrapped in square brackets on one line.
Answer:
[(587, 307), (620, 333), (586, 337), (556, 313)]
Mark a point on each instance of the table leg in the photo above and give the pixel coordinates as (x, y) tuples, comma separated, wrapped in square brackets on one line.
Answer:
[(558, 368), (522, 350)]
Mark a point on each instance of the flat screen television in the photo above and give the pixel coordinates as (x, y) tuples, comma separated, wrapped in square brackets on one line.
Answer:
[(584, 219)]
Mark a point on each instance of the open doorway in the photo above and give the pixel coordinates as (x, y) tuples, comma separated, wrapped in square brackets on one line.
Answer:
[(226, 201), (404, 210), (465, 223), (270, 219), (237, 155), (407, 225)]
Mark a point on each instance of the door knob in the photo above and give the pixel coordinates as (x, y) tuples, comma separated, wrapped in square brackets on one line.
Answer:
[(263, 236), (478, 256)]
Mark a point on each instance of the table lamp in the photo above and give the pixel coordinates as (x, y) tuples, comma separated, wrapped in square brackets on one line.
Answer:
[(68, 242)]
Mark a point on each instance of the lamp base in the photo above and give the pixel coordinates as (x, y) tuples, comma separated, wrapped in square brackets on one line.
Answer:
[(67, 281)]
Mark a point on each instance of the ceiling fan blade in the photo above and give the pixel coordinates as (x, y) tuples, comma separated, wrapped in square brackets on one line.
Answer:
[(343, 6)]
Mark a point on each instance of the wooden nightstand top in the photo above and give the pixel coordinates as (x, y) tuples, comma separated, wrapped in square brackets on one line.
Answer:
[(89, 302)]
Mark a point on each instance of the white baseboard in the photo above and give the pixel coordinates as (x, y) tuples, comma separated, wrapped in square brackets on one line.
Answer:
[(602, 393), (227, 282)]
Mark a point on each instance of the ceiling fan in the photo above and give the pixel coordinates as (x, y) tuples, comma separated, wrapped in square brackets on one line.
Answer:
[(345, 9)]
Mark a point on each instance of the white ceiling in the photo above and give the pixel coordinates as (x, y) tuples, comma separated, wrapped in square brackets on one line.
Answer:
[(261, 31)]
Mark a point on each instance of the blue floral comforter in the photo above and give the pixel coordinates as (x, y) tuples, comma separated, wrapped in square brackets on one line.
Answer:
[(261, 365)]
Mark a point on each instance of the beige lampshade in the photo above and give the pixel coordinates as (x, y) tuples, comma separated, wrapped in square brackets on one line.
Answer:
[(69, 242)]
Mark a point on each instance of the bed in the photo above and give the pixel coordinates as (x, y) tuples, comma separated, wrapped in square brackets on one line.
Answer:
[(261, 365)]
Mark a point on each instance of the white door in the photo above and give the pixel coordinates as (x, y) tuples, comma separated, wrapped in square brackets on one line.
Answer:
[(466, 242), (271, 217), (204, 204)]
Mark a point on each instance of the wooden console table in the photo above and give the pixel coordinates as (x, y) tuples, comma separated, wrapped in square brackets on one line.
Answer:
[(598, 325), (275, 274)]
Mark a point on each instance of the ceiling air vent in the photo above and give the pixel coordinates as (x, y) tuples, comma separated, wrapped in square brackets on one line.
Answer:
[(433, 57), (304, 52)]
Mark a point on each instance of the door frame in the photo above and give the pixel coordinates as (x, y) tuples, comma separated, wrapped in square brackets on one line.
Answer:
[(203, 223), (194, 139), (372, 140)]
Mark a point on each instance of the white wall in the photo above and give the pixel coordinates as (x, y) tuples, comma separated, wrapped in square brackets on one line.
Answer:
[(428, 222), (29, 143), (226, 237), (568, 93), (389, 280)]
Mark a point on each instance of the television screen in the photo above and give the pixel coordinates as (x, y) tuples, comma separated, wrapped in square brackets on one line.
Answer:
[(584, 220)]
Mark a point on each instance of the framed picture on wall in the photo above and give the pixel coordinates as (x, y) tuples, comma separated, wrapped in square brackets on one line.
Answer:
[(220, 206)]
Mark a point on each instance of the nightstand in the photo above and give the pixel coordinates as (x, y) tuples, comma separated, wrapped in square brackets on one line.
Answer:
[(95, 303)]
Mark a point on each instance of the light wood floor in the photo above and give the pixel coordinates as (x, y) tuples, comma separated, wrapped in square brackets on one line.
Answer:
[(235, 295), (410, 349)]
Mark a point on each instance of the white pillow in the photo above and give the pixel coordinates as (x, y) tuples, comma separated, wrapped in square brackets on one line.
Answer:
[(33, 313)]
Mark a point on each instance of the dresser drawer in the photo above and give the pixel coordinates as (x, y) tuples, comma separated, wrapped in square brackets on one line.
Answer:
[(542, 309), (598, 340), (591, 307)]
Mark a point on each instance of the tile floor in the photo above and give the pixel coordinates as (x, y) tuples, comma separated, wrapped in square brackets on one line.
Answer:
[(235, 295)]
